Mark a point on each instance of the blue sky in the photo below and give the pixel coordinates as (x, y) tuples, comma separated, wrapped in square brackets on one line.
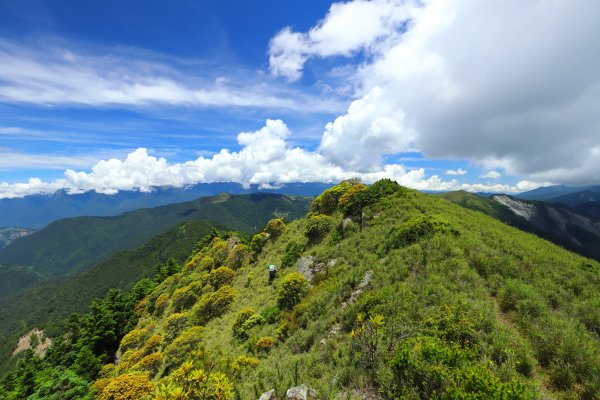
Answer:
[(295, 91)]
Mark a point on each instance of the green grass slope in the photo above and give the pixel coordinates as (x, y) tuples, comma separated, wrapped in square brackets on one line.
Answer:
[(563, 225), (74, 244), (404, 295)]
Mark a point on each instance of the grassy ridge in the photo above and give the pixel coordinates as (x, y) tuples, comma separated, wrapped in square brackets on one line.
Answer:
[(459, 305)]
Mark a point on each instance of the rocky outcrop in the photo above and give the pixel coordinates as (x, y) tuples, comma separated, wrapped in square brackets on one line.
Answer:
[(270, 395), (309, 267), (301, 392), (359, 289)]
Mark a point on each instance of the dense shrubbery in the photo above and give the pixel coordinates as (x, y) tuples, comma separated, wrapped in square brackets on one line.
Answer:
[(258, 242), (414, 230), (212, 304), (124, 387), (275, 228), (293, 287), (292, 253), (427, 367), (317, 226), (189, 382)]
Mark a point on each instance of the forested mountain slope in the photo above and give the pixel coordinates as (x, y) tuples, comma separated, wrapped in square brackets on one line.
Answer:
[(382, 292), (37, 211), (74, 244)]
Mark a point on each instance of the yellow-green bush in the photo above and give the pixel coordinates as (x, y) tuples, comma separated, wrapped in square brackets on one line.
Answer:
[(258, 242), (183, 298), (275, 228), (327, 202), (265, 344), (221, 276), (124, 387), (350, 195), (161, 304), (174, 324), (218, 250), (293, 287), (187, 342), (213, 304), (244, 362), (153, 343), (134, 338), (317, 226), (238, 256), (152, 363), (241, 317), (188, 382)]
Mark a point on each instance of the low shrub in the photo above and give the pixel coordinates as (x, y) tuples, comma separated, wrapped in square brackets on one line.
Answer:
[(317, 226), (124, 387), (221, 276), (258, 241), (213, 304), (238, 256), (415, 230), (293, 287), (293, 251), (183, 298), (265, 344), (275, 228), (174, 324)]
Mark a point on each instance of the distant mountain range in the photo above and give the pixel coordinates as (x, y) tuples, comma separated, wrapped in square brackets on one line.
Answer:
[(75, 244), (37, 211), (568, 195), (575, 228)]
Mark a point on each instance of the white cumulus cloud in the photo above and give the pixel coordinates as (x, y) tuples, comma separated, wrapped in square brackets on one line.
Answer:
[(459, 171), (491, 175), (501, 83), (265, 158)]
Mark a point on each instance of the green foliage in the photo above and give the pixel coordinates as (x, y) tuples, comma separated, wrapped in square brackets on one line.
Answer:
[(189, 382), (275, 228), (293, 287), (174, 324), (54, 302), (187, 342), (258, 242), (238, 256), (124, 387), (359, 197), (212, 305), (241, 317), (522, 298), (221, 276), (317, 226), (327, 202), (183, 298), (75, 244), (429, 368), (293, 251), (265, 344), (414, 230), (490, 313)]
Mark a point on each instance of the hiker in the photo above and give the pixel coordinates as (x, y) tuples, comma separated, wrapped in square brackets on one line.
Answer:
[(272, 273)]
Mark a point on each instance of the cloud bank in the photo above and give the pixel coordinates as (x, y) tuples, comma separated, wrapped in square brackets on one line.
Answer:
[(501, 83), (265, 158)]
